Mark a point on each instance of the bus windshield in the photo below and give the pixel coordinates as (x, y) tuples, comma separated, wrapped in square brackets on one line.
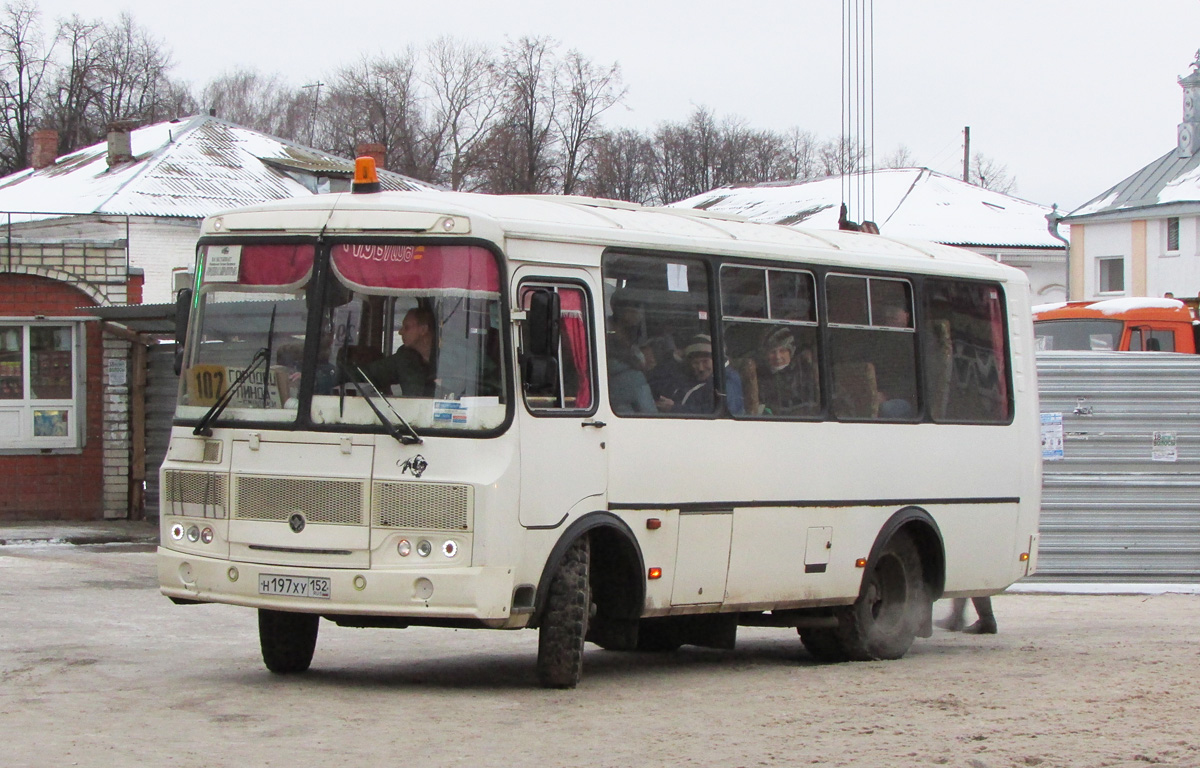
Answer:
[(416, 324)]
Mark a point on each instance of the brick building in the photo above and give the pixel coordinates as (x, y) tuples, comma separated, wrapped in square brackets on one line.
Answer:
[(85, 236)]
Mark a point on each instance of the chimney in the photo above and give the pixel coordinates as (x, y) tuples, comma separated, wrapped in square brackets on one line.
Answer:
[(375, 151), (119, 147), (45, 149)]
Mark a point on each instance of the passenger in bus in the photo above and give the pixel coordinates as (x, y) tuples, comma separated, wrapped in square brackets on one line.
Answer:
[(895, 367), (787, 382), (700, 397), (664, 371), (409, 367), (628, 390)]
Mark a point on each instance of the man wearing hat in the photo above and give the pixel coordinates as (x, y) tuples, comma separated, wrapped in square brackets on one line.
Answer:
[(787, 385), (701, 396)]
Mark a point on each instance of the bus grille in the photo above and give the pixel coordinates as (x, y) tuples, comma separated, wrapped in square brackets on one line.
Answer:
[(334, 502), (430, 506), (206, 489)]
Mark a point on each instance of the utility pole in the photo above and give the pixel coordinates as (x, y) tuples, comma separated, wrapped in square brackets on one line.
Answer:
[(967, 154), (312, 123)]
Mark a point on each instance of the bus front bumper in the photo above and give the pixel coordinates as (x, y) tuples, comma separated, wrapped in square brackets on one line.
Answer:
[(470, 593)]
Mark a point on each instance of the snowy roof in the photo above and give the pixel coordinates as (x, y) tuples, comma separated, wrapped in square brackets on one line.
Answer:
[(909, 202), (186, 168), (1169, 179)]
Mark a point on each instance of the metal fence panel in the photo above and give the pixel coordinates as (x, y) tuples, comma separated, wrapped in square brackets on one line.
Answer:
[(1120, 506)]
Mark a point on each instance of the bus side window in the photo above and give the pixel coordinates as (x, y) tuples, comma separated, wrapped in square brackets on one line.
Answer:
[(965, 354), (572, 385), (873, 347)]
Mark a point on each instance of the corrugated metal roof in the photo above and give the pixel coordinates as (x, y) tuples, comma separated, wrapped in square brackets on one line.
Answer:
[(180, 168), (1168, 180), (909, 202)]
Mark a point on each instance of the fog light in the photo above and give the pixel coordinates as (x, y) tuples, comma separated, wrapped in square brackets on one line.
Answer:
[(232, 573), (177, 531), (360, 583), (193, 534), (206, 535), (450, 549), (422, 588), (404, 548), (424, 548), (185, 573)]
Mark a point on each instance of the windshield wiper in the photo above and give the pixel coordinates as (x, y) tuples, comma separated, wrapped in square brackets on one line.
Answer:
[(262, 355), (202, 428), (369, 393)]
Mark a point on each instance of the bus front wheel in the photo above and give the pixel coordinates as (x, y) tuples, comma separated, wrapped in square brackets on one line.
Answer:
[(884, 621), (564, 620), (287, 640)]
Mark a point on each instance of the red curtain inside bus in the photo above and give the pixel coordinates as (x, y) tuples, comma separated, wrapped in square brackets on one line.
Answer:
[(275, 264), (575, 333), (418, 270)]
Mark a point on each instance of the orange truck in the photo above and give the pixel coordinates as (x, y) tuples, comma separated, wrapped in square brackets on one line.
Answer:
[(1126, 324)]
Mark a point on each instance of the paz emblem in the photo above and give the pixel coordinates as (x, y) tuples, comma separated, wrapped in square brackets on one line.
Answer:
[(296, 522)]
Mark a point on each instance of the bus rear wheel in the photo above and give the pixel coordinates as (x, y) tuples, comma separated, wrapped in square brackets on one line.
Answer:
[(884, 621), (287, 640), (823, 643), (564, 620)]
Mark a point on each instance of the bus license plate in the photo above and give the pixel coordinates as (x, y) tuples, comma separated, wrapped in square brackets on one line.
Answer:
[(293, 586)]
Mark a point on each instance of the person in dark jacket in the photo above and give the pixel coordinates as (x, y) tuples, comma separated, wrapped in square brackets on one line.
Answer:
[(787, 384)]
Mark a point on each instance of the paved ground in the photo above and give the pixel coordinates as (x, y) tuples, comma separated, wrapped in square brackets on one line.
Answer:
[(98, 669)]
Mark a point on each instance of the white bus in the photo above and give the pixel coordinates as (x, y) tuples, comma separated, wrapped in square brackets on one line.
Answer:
[(635, 427)]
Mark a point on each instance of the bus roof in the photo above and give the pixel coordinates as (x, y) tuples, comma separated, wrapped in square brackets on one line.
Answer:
[(1131, 308), (589, 220)]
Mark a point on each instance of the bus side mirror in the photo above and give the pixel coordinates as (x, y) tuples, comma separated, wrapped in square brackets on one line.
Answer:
[(542, 320), (183, 305), (539, 365)]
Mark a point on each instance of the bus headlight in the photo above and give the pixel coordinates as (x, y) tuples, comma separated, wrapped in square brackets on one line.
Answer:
[(177, 531), (404, 548), (424, 547), (450, 549), (193, 534), (206, 535)]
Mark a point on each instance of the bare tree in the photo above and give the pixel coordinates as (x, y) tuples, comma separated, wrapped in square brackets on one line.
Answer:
[(801, 155), (462, 80), (133, 81), (377, 101), (840, 156), (900, 157), (262, 102), (588, 92), (991, 174), (522, 148), (623, 167), (24, 62), (71, 105)]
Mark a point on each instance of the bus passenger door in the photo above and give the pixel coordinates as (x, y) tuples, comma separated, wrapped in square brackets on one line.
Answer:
[(564, 466)]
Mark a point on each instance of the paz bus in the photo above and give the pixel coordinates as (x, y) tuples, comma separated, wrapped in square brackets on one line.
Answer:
[(525, 478)]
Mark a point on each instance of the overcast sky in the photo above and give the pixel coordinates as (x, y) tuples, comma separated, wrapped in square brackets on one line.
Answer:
[(1071, 95)]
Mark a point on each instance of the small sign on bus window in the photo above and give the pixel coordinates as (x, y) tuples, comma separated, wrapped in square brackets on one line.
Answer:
[(222, 264)]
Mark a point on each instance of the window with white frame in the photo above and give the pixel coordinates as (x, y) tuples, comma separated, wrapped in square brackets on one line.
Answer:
[(1111, 274), (1173, 234), (40, 388)]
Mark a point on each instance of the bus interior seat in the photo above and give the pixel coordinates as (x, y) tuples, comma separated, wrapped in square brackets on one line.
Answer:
[(855, 391)]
